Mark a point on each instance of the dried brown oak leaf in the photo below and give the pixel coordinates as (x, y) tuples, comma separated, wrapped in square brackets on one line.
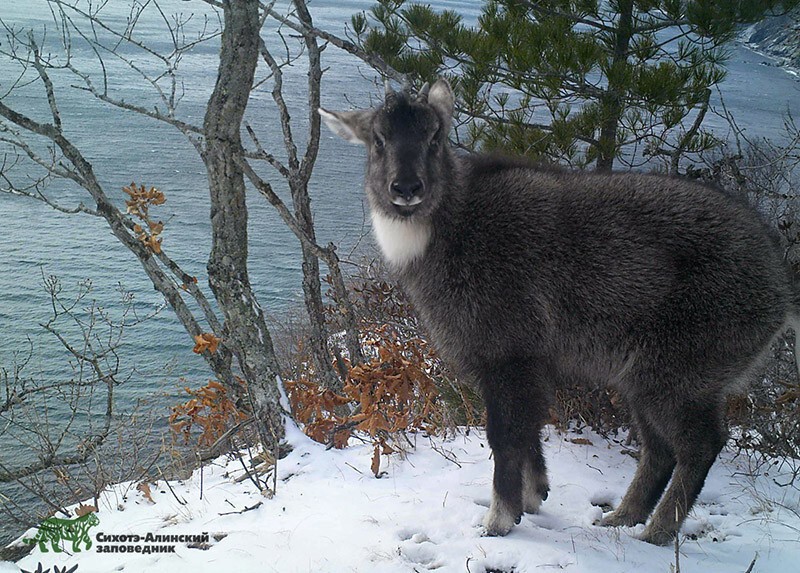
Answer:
[(206, 341)]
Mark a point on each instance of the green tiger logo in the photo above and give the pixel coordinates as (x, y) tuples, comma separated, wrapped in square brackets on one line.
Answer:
[(55, 530)]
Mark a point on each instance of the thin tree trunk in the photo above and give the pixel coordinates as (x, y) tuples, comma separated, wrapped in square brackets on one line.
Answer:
[(315, 307), (611, 101), (246, 330), (302, 206), (312, 289)]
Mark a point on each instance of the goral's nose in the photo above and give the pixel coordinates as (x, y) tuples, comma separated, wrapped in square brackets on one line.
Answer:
[(406, 189)]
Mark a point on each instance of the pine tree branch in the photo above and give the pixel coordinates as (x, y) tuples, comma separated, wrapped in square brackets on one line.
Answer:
[(538, 8)]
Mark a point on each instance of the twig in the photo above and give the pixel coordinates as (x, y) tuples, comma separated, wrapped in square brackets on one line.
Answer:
[(172, 491), (752, 564), (354, 467), (249, 508)]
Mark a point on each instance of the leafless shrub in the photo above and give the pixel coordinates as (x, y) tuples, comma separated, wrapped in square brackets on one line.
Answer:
[(765, 418), (766, 175), (577, 406), (65, 438)]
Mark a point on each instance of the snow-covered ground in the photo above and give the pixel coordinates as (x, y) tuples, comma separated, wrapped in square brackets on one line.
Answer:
[(330, 515)]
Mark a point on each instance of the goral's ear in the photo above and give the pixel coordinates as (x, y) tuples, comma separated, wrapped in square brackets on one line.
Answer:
[(354, 126), (441, 98)]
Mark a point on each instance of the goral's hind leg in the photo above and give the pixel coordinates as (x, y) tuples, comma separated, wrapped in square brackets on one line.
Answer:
[(516, 405), (699, 436), (656, 462)]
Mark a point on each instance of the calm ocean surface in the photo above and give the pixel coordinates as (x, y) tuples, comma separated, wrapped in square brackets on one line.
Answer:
[(125, 147)]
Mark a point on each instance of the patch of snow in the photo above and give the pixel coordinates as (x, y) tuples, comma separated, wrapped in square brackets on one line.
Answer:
[(330, 515), (284, 400)]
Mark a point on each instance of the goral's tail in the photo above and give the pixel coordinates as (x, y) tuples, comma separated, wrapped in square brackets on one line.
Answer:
[(794, 323), (793, 273)]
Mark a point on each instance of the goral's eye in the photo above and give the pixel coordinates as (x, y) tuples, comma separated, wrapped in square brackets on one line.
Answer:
[(378, 142), (433, 144)]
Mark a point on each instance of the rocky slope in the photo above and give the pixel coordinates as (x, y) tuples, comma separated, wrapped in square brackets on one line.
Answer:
[(778, 37)]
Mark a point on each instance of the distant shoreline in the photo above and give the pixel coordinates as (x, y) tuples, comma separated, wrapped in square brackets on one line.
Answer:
[(777, 61), (776, 38)]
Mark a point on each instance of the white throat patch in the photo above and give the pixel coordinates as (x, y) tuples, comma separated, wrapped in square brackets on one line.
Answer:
[(400, 241)]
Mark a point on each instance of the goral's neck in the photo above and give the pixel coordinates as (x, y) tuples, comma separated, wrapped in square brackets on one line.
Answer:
[(402, 241)]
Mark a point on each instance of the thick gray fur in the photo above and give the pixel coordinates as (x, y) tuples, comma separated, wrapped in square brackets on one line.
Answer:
[(528, 278)]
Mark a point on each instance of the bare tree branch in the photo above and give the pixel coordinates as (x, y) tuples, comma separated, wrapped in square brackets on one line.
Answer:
[(120, 227), (373, 60), (328, 254)]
